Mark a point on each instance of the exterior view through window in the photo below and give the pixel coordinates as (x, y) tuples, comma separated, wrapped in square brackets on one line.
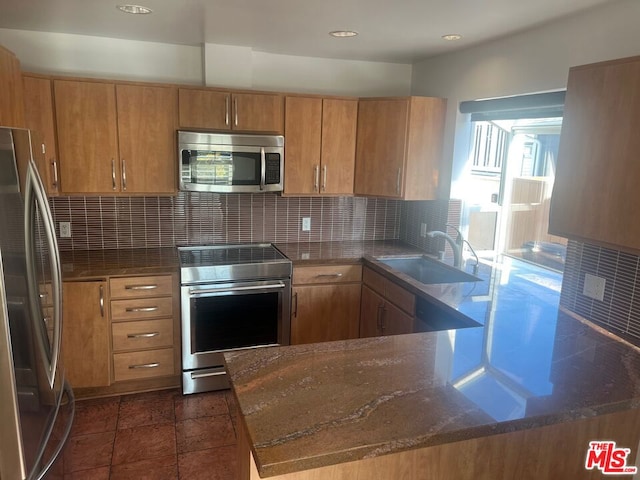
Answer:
[(509, 182)]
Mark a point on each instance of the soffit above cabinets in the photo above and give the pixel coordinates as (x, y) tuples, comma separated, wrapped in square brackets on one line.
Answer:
[(389, 31)]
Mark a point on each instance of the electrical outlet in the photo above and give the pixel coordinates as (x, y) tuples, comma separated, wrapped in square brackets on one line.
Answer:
[(423, 229), (65, 229), (594, 287), (306, 224)]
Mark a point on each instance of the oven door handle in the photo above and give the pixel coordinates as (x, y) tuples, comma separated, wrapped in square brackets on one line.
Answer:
[(197, 292)]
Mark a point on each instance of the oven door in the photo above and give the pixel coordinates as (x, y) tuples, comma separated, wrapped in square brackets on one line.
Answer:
[(230, 316)]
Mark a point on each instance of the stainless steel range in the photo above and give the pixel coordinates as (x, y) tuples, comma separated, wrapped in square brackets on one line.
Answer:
[(232, 297)]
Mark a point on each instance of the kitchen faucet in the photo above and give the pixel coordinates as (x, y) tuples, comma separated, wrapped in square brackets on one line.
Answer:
[(457, 246)]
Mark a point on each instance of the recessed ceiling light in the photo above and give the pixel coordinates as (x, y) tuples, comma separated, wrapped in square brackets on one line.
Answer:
[(343, 33), (451, 37), (135, 9)]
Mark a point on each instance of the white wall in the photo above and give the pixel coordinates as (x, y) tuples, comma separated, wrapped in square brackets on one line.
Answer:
[(534, 61), (213, 65), (83, 55), (242, 67)]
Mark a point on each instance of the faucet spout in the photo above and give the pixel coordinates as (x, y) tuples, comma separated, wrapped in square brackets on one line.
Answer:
[(457, 249)]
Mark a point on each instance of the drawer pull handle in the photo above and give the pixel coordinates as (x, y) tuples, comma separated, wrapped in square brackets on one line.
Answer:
[(143, 335), (144, 365), (329, 275), (142, 309), (140, 287), (195, 376)]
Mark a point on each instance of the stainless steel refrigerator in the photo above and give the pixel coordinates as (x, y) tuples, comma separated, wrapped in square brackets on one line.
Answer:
[(36, 403)]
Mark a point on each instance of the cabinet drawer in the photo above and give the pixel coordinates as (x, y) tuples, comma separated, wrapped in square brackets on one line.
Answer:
[(400, 297), (147, 364), (141, 308), (392, 292), (374, 280), (136, 287), (327, 274), (142, 334)]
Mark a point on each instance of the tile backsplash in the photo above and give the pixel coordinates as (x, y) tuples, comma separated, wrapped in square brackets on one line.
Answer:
[(619, 312), (201, 218)]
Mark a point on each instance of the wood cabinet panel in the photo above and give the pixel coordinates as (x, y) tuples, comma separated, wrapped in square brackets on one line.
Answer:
[(39, 118), (144, 364), (142, 335), (205, 109), (371, 306), (595, 191), (12, 91), (147, 138), (327, 274), (395, 321), (303, 129), (87, 136), (381, 140), (139, 308), (258, 112), (400, 297), (135, 287), (399, 147), (323, 313), (339, 128), (85, 336)]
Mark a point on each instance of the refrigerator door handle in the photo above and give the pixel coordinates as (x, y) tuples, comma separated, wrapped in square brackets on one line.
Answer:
[(35, 195)]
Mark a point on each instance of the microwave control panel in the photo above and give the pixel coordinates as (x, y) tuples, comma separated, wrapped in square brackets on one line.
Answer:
[(272, 170)]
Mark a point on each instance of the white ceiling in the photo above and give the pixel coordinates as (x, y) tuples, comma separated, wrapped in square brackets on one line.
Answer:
[(398, 31)]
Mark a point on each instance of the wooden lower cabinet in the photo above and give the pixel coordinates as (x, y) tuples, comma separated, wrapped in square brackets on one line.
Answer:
[(378, 316), (121, 334), (323, 313), (85, 334), (326, 303)]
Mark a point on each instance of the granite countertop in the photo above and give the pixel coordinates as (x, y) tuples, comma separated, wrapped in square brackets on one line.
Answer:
[(81, 264), (527, 365), (342, 252)]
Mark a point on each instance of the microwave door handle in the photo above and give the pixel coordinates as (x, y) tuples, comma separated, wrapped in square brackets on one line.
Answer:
[(263, 165)]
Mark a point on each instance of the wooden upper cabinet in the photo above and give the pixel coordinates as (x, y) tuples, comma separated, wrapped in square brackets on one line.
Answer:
[(147, 136), (339, 127), (39, 117), (258, 112), (303, 132), (242, 112), (595, 195), (11, 91), (399, 147), (87, 136), (204, 109), (320, 138)]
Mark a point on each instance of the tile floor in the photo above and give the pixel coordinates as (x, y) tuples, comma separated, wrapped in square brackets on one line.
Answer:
[(156, 436)]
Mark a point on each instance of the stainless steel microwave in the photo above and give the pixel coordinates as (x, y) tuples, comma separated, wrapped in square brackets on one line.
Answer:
[(228, 163)]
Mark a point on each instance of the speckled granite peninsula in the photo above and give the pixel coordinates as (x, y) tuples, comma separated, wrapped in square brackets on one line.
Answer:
[(518, 397)]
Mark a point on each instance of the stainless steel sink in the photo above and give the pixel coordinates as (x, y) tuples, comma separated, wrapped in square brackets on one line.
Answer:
[(427, 270)]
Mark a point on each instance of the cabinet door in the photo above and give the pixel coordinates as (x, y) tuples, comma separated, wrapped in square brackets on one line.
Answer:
[(371, 306), (11, 93), (38, 109), (256, 112), (395, 321), (303, 130), (595, 195), (339, 126), (85, 334), (147, 132), (87, 136), (206, 109), (380, 148), (323, 313)]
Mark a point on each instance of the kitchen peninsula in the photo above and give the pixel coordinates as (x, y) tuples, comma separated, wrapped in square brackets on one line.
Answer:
[(442, 404)]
